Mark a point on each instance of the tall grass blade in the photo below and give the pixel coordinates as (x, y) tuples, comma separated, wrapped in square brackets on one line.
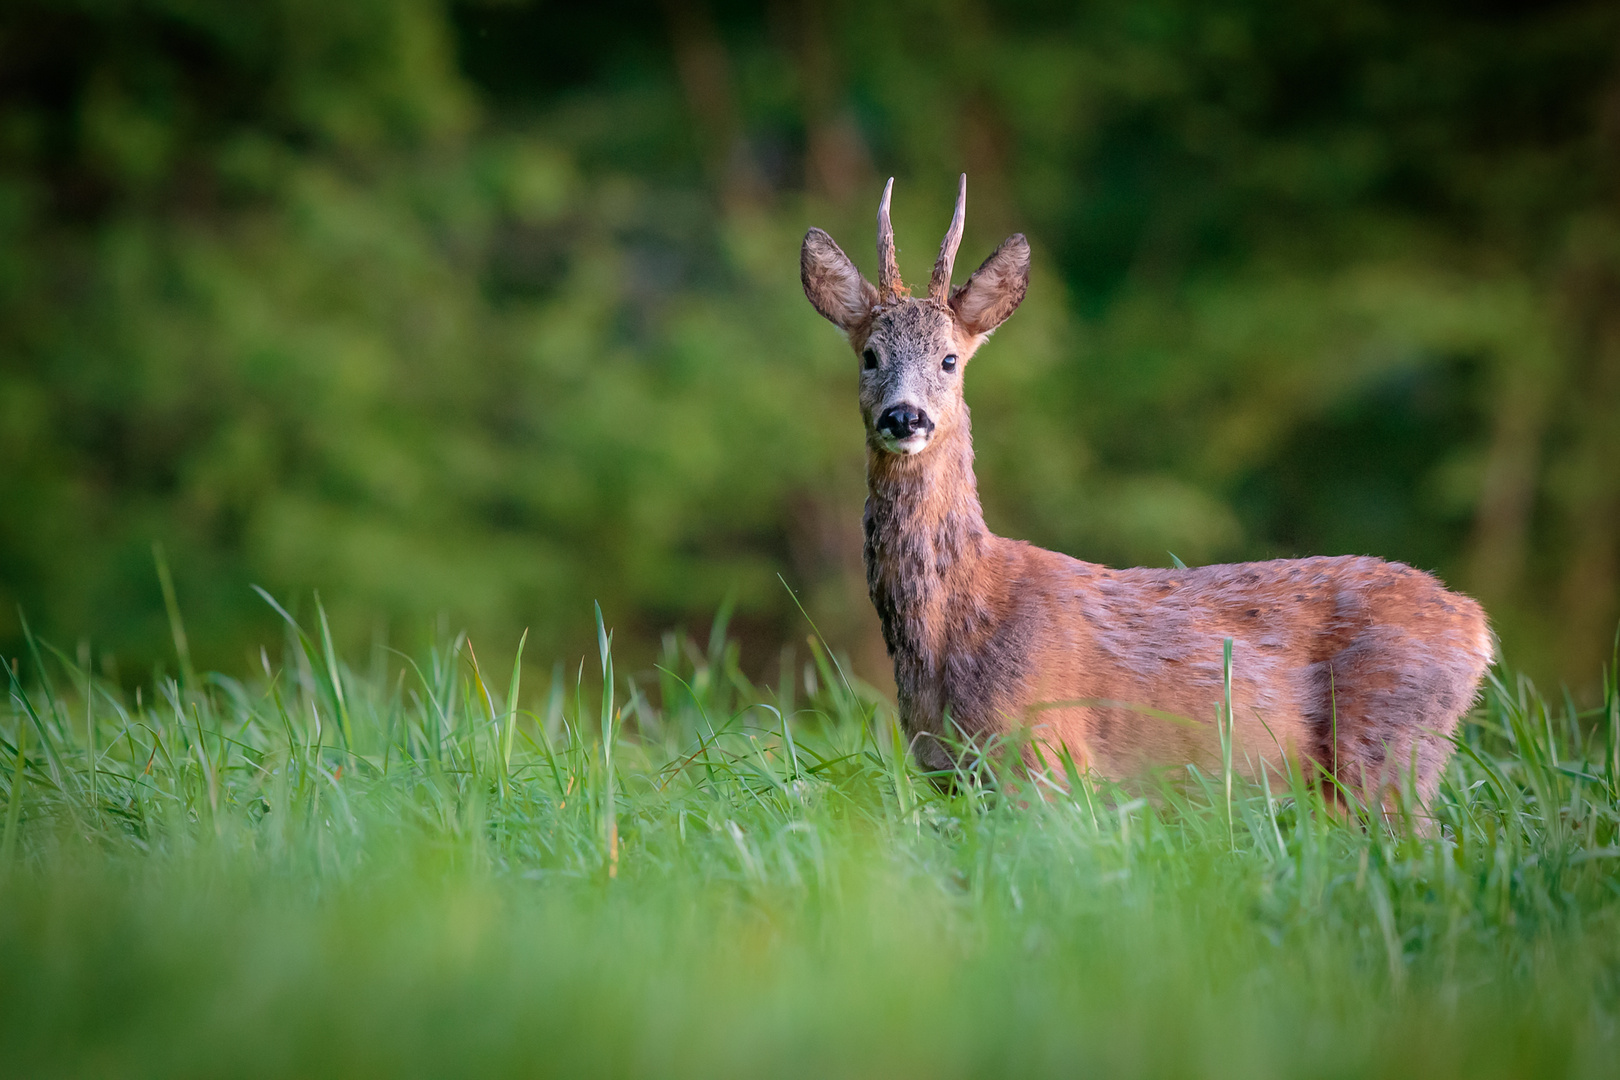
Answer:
[(19, 786), (1226, 735), (334, 676), (512, 706), (610, 806), (20, 696), (177, 626)]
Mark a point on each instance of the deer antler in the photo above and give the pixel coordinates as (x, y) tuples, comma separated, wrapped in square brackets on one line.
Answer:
[(890, 287), (939, 287)]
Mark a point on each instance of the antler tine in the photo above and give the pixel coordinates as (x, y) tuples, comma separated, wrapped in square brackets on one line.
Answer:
[(939, 287), (889, 283)]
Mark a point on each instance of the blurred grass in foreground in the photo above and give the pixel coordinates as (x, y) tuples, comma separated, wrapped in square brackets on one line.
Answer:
[(401, 872)]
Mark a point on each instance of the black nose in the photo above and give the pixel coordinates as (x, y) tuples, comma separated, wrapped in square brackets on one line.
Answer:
[(903, 421)]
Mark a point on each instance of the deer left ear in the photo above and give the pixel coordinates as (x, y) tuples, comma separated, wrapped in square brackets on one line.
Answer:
[(996, 289), (832, 284)]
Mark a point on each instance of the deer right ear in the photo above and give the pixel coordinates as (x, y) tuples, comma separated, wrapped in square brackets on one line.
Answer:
[(832, 284), (996, 289)]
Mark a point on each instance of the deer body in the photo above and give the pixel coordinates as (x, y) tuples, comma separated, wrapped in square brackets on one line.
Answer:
[(1357, 666)]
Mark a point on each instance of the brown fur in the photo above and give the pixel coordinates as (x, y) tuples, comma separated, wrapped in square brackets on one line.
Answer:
[(1360, 666)]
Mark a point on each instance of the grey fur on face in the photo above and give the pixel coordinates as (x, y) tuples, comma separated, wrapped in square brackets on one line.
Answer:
[(913, 351), (911, 344)]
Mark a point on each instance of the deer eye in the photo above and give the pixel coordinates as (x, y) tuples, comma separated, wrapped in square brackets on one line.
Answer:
[(950, 363), (869, 360)]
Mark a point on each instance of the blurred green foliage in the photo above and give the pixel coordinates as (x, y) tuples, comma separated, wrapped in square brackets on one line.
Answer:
[(491, 308)]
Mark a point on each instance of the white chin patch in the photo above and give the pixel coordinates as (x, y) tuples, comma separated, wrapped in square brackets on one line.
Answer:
[(911, 444)]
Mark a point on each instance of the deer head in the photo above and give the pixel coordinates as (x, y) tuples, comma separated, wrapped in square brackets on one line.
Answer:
[(913, 351)]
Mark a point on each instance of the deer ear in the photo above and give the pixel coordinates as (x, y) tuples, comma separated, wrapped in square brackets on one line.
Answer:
[(832, 284), (996, 289)]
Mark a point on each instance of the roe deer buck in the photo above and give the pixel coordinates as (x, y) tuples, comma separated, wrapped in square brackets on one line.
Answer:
[(1358, 666)]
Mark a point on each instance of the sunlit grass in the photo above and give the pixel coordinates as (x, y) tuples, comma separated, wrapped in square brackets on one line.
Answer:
[(438, 868)]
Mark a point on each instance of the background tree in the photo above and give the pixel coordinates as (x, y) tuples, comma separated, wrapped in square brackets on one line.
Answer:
[(490, 308)]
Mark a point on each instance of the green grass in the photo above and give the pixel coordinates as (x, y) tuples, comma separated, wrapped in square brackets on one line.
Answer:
[(322, 872)]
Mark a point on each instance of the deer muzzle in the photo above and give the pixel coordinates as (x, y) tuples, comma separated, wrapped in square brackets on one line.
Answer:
[(904, 429)]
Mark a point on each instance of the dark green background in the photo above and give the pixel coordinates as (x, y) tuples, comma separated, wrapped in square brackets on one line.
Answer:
[(478, 312)]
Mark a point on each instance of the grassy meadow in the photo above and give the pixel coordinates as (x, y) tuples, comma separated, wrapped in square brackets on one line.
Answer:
[(431, 866)]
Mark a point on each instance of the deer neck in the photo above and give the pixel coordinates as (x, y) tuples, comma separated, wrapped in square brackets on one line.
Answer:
[(925, 542)]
